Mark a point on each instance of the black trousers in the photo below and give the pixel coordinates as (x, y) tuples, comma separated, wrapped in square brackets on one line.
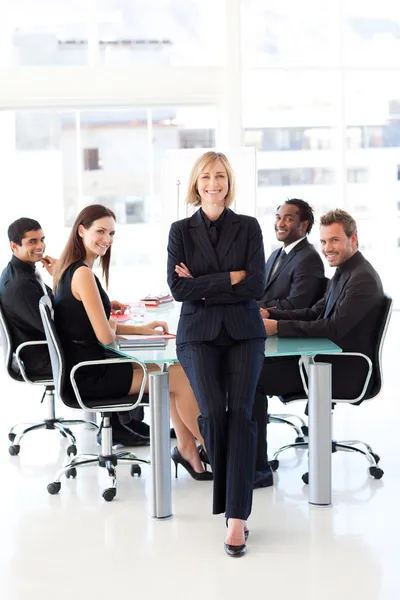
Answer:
[(223, 374)]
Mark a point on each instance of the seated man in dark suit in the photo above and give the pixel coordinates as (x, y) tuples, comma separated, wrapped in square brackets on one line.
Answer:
[(21, 288), (295, 279), (20, 291), (295, 272), (348, 315)]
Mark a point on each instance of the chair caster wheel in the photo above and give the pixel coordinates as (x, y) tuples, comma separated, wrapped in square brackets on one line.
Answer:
[(274, 464), (136, 470), (14, 450), (375, 456), (11, 437), (109, 494), (71, 473), (54, 488), (299, 439), (376, 472), (305, 478), (71, 450), (304, 429)]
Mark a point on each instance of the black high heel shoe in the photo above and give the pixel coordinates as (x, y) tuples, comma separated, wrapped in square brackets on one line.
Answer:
[(179, 460), (203, 456), (236, 551)]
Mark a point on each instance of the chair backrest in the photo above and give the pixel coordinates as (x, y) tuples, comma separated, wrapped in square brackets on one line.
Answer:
[(55, 351), (6, 342), (383, 324)]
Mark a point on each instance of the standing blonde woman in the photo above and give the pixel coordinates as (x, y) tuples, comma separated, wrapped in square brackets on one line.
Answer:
[(216, 267)]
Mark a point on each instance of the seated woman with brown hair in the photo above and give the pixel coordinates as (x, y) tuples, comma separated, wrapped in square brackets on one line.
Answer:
[(82, 318)]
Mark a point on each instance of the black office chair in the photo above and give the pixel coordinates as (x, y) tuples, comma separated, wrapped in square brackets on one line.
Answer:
[(367, 393), (15, 369), (69, 394)]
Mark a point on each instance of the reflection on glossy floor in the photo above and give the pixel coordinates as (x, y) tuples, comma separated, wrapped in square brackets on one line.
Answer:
[(75, 545)]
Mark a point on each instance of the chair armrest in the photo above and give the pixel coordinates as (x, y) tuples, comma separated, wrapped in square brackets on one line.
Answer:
[(302, 367), (112, 407), (21, 364)]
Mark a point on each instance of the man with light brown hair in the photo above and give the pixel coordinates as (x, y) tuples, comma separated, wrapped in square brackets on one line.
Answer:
[(348, 315)]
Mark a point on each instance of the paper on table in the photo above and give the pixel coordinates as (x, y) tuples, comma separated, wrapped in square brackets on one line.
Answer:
[(138, 337)]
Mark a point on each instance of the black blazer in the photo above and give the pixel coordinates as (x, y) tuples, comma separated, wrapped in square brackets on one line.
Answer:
[(299, 280), (209, 299), (351, 323), (20, 292)]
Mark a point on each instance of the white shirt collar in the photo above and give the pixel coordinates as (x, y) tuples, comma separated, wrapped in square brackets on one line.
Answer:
[(293, 244)]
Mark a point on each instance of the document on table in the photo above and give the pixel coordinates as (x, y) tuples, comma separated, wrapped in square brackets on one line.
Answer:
[(145, 341)]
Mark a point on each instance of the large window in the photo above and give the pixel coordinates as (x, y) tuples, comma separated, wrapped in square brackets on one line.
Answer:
[(56, 162)]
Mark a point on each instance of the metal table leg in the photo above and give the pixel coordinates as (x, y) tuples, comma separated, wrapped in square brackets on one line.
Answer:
[(320, 434), (160, 444)]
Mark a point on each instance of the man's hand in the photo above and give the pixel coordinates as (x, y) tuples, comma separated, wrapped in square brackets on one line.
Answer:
[(153, 328), (271, 326), (49, 263), (183, 271), (117, 308), (237, 276), (264, 313)]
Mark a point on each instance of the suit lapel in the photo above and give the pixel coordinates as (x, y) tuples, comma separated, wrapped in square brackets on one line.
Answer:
[(337, 293), (270, 263), (282, 265), (199, 234), (229, 231)]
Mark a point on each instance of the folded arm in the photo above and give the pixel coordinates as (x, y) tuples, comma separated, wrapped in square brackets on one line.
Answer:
[(253, 285), (191, 288)]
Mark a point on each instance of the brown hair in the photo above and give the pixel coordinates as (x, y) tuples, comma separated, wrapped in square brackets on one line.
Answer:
[(75, 250), (193, 196), (340, 216)]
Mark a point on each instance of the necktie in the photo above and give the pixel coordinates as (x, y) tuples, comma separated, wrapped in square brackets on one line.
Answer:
[(41, 282), (332, 293), (281, 257), (213, 232)]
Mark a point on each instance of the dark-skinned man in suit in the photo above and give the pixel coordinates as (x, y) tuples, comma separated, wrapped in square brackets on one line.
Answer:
[(295, 272), (294, 279), (348, 315)]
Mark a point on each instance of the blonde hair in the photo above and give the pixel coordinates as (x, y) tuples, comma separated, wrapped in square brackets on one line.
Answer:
[(193, 196)]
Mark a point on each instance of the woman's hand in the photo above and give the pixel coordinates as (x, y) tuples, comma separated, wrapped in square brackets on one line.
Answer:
[(237, 276), (118, 308), (49, 263), (153, 328), (183, 271), (113, 323), (264, 313)]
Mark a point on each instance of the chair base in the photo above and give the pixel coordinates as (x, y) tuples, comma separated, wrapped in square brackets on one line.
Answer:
[(107, 460), (345, 446), (287, 419), (52, 422)]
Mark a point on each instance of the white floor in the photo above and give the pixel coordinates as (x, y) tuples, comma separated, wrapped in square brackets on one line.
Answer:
[(75, 545)]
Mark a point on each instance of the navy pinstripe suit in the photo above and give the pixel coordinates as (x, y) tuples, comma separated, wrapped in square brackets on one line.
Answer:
[(224, 374)]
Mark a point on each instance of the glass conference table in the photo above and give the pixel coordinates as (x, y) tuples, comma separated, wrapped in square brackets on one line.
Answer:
[(319, 414)]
